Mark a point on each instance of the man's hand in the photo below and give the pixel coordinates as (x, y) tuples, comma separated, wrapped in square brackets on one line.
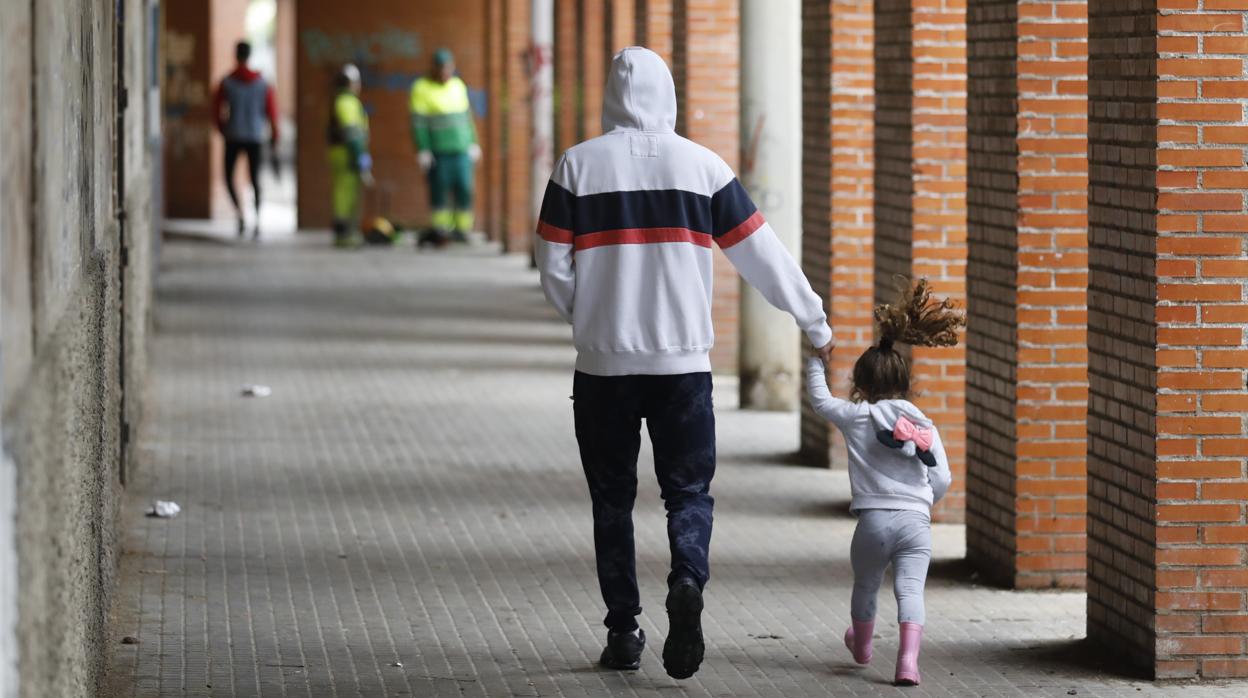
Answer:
[(825, 352), (474, 152), (425, 159)]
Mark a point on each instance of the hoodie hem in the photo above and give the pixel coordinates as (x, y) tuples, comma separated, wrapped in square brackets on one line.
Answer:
[(643, 363), (884, 501)]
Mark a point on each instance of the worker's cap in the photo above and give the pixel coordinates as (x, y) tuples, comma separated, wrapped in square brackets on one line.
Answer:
[(442, 57), (350, 73)]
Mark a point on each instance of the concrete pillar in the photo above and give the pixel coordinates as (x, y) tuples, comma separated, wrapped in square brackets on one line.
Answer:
[(705, 65), (771, 170), (541, 96), (920, 193), (1167, 306), (1026, 387), (838, 105)]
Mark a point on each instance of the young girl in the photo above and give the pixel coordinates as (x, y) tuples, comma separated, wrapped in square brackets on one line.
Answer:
[(897, 469)]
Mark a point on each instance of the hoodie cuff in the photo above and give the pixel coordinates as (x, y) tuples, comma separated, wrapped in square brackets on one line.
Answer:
[(820, 335)]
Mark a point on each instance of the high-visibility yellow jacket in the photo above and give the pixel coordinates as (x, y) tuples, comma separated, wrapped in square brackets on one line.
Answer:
[(348, 128), (441, 116)]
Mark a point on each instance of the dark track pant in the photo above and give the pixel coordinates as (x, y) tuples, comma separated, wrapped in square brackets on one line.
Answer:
[(679, 417), (232, 151)]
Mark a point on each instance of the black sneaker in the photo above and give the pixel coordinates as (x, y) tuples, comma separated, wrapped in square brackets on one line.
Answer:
[(623, 650), (682, 653)]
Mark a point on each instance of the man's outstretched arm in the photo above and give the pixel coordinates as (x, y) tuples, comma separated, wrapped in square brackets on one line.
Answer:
[(762, 260)]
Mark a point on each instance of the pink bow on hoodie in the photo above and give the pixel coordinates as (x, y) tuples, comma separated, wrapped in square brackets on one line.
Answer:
[(905, 430)]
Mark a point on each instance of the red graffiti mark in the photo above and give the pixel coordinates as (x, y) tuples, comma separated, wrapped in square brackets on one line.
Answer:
[(751, 151)]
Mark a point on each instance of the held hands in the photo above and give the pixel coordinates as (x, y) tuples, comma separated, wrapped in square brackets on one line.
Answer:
[(425, 159), (474, 152), (825, 352)]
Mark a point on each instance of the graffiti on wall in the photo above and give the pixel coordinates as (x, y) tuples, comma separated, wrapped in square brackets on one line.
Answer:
[(324, 47), (183, 89), (184, 92)]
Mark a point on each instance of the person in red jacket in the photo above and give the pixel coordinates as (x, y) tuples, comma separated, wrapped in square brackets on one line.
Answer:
[(245, 108)]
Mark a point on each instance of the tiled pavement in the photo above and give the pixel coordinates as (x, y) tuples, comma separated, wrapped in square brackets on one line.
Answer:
[(406, 514)]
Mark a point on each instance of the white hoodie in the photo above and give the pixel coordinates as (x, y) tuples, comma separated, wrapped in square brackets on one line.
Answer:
[(882, 475), (625, 234)]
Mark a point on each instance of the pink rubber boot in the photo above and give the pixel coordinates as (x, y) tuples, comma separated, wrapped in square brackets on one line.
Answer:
[(908, 655), (858, 640)]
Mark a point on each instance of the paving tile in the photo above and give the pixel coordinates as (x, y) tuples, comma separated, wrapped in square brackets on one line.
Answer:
[(411, 494)]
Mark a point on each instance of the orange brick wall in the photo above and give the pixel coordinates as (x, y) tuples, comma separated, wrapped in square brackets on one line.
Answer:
[(567, 74), (518, 216), (1027, 277), (705, 64), (392, 42), (594, 57), (837, 162), (920, 191), (1201, 309), (494, 154), (653, 26)]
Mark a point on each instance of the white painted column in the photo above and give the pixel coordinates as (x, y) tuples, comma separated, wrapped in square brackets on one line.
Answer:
[(541, 95), (771, 170)]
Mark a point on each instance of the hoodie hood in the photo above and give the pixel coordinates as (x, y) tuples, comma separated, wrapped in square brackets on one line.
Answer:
[(640, 94), (244, 74)]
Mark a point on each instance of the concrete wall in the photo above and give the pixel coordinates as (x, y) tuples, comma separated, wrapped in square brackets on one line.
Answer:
[(392, 42), (63, 320)]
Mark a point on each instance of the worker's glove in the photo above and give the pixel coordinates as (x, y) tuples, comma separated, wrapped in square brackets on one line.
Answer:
[(364, 163), (425, 158), (474, 152)]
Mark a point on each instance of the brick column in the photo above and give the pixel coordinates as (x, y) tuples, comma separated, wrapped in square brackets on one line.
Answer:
[(653, 27), (838, 80), (1026, 285), (593, 61), (567, 75), (518, 224), (621, 23), (920, 191), (1167, 368), (705, 54), (494, 149)]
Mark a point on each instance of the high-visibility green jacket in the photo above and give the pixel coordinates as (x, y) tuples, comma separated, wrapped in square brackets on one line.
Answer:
[(441, 116)]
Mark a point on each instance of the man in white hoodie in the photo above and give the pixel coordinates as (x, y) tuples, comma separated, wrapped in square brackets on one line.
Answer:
[(624, 249)]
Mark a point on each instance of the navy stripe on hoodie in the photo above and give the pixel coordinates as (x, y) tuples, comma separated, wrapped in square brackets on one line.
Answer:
[(728, 216)]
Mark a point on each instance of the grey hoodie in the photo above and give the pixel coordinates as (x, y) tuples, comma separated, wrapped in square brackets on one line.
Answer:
[(882, 475)]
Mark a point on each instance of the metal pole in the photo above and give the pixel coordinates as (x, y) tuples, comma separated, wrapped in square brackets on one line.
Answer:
[(541, 96)]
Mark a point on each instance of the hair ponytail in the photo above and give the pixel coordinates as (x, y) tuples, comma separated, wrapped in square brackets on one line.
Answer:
[(882, 373), (917, 319)]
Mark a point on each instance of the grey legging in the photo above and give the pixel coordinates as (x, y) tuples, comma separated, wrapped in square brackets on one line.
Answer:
[(903, 538)]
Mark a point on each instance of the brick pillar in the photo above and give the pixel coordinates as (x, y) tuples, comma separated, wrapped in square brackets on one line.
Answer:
[(838, 79), (518, 224), (621, 23), (705, 54), (593, 61), (567, 113), (653, 26), (494, 151), (920, 191), (1167, 368), (1026, 284)]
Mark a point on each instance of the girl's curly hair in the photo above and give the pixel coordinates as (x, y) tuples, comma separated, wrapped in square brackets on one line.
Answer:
[(915, 318)]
